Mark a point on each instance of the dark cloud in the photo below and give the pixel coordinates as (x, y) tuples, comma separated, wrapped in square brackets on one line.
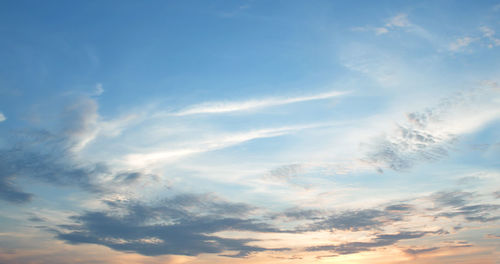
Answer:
[(10, 192), (36, 219), (45, 157), (294, 214), (49, 156), (399, 207), (351, 220), (127, 177), (412, 251), (454, 198), (179, 225), (380, 240), (457, 203)]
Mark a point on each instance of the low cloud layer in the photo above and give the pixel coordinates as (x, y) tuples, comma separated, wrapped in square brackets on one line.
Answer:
[(181, 225)]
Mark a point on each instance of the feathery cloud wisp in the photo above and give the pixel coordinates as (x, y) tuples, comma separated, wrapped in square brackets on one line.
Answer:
[(225, 107)]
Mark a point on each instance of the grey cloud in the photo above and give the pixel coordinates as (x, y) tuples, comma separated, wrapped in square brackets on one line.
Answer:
[(351, 220), (10, 192), (399, 207), (46, 157), (416, 141), (80, 120), (380, 240), (493, 236), (35, 218), (53, 167), (127, 177), (420, 250), (409, 146), (459, 204), (286, 172), (178, 225), (453, 198), (295, 214)]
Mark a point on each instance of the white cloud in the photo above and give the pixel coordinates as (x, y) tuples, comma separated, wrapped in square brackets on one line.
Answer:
[(209, 144), (225, 107), (2, 117), (490, 34), (487, 32), (381, 30), (428, 135), (461, 43), (98, 89), (400, 20)]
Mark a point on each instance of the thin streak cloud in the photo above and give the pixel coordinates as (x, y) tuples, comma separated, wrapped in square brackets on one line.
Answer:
[(226, 107), (224, 141)]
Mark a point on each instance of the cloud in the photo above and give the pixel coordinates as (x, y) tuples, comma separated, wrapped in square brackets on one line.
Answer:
[(400, 20), (10, 192), (218, 142), (457, 203), (297, 214), (487, 32), (80, 122), (55, 168), (418, 251), (286, 172), (2, 117), (380, 240), (181, 225), (399, 207), (226, 107), (397, 21), (353, 220), (490, 35), (430, 134), (381, 30), (461, 43), (47, 157), (98, 89)]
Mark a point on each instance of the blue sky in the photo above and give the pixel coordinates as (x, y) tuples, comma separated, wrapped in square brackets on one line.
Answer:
[(249, 131)]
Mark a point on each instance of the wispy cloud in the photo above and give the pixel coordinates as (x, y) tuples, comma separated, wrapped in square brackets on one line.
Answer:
[(461, 43), (98, 89), (225, 107), (2, 117), (398, 21), (489, 34), (429, 135), (210, 144)]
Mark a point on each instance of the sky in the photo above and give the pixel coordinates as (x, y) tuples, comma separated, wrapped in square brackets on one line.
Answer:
[(250, 132)]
